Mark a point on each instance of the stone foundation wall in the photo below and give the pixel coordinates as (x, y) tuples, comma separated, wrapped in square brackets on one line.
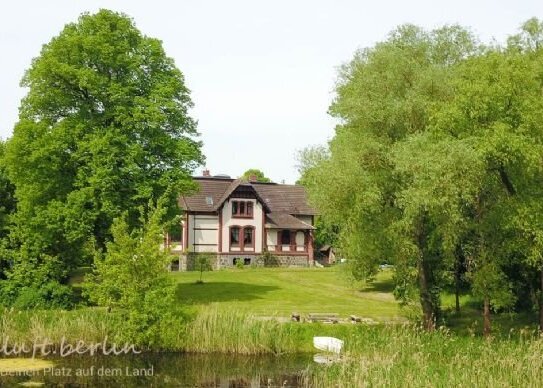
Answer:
[(218, 261)]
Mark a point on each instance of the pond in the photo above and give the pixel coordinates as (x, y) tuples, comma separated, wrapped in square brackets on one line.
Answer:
[(167, 370)]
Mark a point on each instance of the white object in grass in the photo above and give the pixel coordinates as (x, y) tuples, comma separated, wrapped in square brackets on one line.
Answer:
[(328, 344)]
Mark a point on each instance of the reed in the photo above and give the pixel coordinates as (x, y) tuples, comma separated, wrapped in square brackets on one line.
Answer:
[(407, 357), (376, 355), (241, 333), (29, 326)]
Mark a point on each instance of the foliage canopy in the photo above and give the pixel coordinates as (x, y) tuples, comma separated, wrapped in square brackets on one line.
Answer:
[(103, 129)]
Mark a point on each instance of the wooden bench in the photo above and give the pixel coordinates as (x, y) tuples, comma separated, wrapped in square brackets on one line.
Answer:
[(323, 317)]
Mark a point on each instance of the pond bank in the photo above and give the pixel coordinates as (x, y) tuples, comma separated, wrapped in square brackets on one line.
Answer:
[(375, 355)]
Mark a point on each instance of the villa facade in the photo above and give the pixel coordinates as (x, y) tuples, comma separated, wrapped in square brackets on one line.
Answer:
[(239, 220)]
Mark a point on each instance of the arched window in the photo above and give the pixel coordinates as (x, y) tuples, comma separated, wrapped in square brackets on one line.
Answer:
[(249, 237), (242, 237)]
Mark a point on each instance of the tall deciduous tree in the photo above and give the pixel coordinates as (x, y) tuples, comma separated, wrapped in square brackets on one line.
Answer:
[(385, 96), (104, 128), (437, 163)]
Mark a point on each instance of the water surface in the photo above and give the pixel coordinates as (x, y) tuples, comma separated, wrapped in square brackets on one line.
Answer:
[(168, 370)]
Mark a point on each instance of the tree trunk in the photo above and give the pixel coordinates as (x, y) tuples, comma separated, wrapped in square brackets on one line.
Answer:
[(457, 292), (424, 278), (541, 301), (458, 267), (426, 302), (486, 317)]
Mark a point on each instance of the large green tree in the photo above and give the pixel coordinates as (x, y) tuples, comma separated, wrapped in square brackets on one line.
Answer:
[(437, 164), (104, 128), (385, 95)]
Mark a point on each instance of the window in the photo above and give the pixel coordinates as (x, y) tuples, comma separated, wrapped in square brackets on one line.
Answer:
[(285, 237), (242, 209), (175, 233), (248, 237), (234, 236), (242, 237)]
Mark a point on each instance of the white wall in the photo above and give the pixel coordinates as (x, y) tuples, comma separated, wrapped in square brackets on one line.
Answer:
[(228, 220), (271, 239), (203, 233)]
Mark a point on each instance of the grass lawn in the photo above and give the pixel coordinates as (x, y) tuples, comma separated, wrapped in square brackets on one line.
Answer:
[(281, 291)]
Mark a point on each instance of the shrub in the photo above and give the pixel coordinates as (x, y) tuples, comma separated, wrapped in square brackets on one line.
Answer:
[(133, 277), (270, 260)]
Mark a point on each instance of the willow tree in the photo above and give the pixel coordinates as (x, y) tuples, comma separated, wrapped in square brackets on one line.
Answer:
[(528, 220), (103, 128), (386, 95)]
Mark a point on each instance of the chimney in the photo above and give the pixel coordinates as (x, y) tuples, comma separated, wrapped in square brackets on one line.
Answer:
[(253, 178), (206, 172)]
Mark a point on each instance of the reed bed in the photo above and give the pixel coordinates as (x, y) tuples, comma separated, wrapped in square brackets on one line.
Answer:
[(407, 357), (89, 325), (376, 355), (241, 333)]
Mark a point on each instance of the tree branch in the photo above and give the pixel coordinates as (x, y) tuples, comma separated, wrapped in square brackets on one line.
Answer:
[(506, 181)]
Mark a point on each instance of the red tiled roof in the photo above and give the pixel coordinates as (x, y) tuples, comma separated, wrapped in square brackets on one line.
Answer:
[(277, 198)]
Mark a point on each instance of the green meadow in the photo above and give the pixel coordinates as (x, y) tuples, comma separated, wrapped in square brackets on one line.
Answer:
[(282, 291)]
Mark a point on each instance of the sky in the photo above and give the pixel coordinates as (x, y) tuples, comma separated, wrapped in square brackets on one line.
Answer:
[(261, 73)]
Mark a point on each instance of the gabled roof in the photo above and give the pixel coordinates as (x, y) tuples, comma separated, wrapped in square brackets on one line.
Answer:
[(207, 188), (213, 192), (291, 199), (285, 221)]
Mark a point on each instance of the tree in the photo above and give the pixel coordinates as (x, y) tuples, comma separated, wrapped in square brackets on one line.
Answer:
[(103, 129), (496, 110), (255, 173), (309, 159), (7, 208), (7, 195), (203, 263), (386, 95), (132, 276), (437, 164)]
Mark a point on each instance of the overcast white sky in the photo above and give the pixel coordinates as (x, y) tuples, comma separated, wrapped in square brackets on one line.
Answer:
[(261, 73)]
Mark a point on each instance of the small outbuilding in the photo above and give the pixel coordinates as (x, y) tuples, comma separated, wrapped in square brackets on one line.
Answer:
[(327, 255)]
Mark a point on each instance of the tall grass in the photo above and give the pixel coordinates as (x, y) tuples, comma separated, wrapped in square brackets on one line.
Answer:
[(237, 332), (380, 355), (210, 330), (404, 356), (89, 325)]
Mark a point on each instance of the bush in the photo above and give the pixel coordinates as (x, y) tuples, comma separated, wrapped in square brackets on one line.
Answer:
[(50, 295), (270, 260), (133, 277)]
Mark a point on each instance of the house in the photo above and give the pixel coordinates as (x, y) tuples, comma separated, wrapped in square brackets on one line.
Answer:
[(239, 220)]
